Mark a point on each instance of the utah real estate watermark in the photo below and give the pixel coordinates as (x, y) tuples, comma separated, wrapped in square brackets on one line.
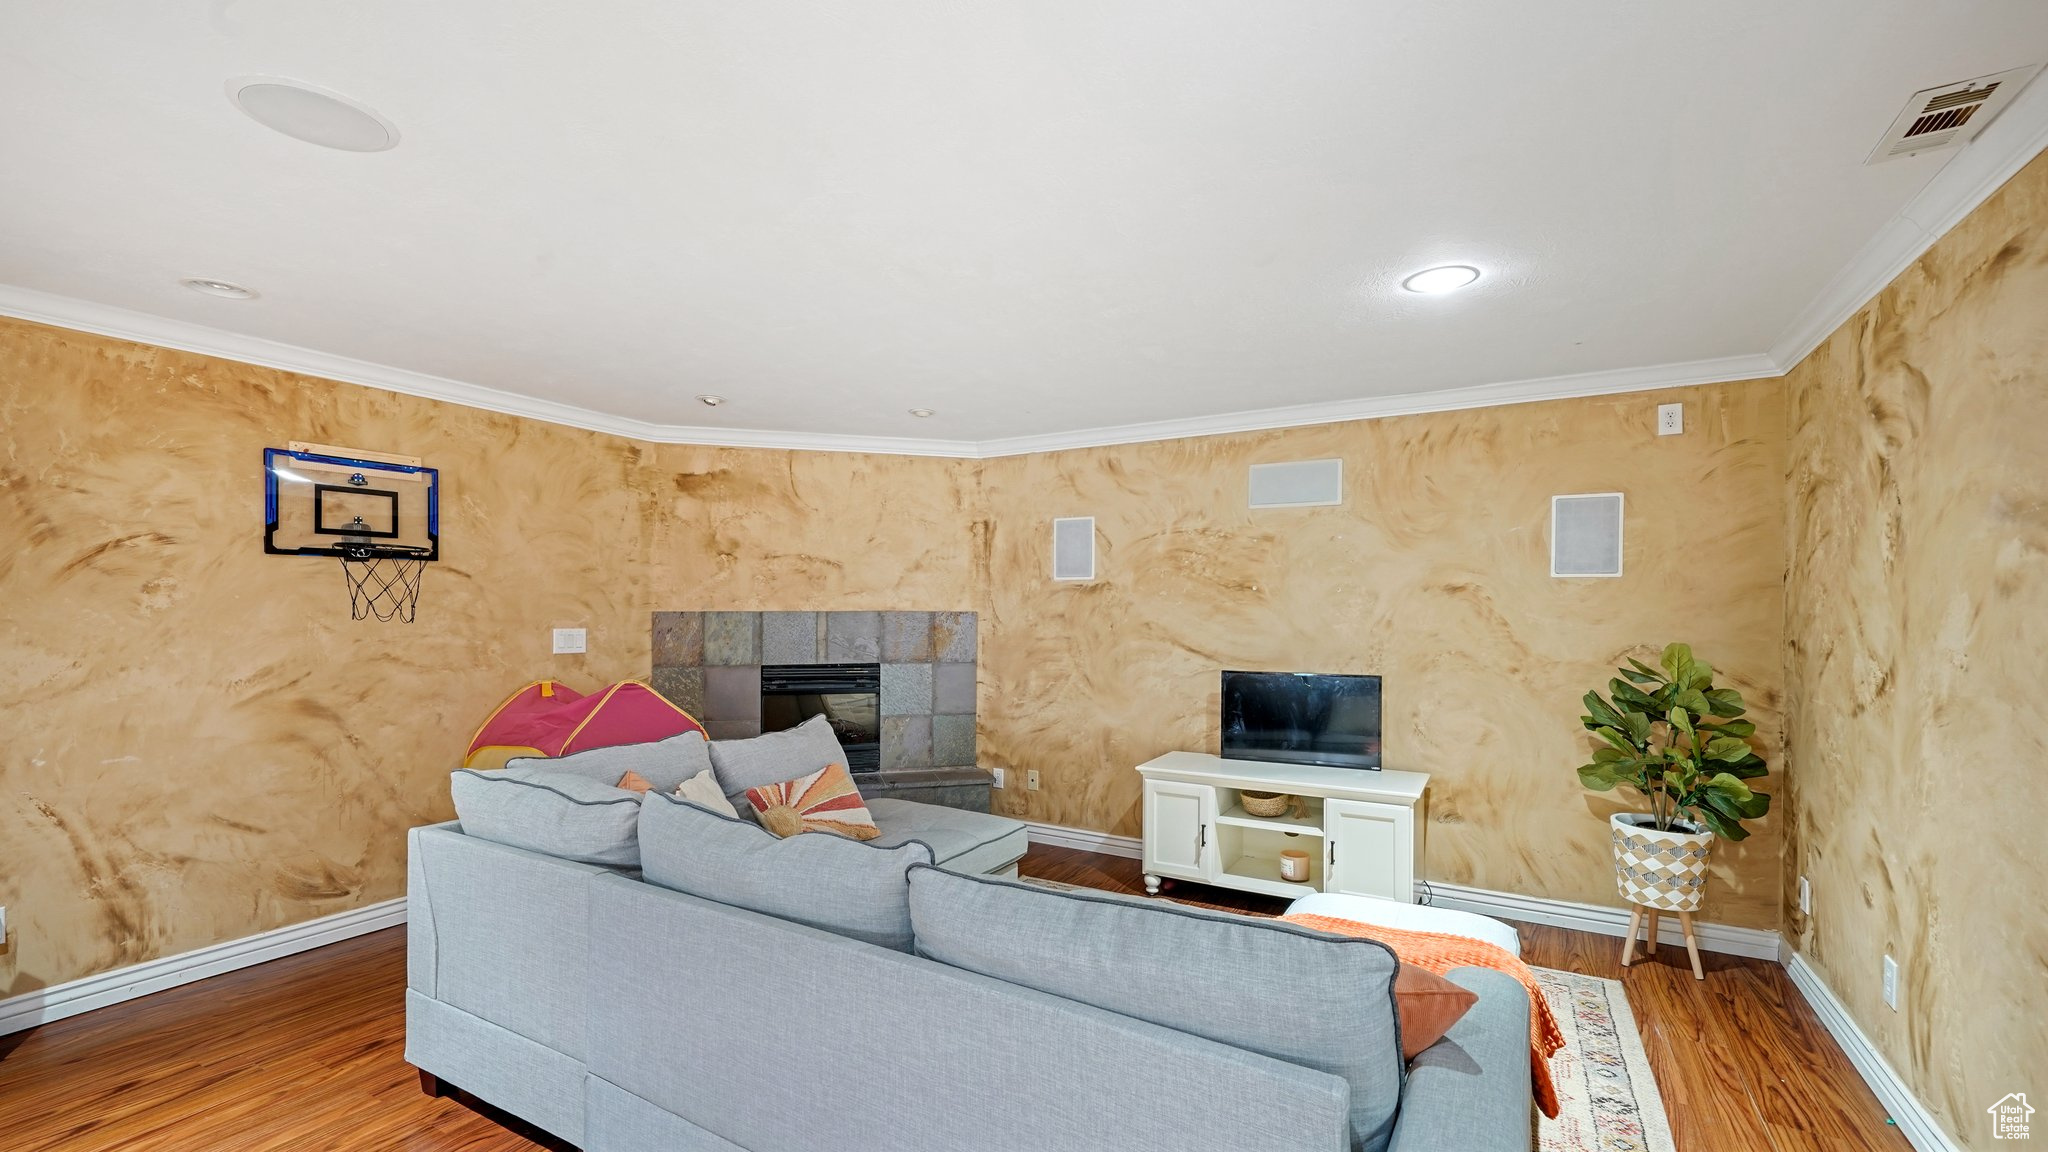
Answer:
[(2010, 1117)]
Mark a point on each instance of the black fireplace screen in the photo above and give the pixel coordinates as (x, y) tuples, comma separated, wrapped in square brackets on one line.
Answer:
[(848, 696)]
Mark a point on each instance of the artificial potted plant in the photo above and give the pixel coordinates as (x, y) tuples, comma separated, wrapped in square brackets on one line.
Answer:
[(1672, 736)]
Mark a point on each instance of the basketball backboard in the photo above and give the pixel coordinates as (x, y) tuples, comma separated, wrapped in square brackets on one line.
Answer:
[(324, 501)]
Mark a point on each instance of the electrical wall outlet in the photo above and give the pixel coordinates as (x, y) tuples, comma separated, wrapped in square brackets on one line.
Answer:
[(3, 929), (1805, 897), (1670, 419), (998, 773), (1891, 983), (1031, 779), (568, 641)]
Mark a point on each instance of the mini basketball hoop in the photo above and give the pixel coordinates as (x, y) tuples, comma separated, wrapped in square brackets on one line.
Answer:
[(380, 515), (384, 586)]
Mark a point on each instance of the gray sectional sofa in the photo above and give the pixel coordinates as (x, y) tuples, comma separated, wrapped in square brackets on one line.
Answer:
[(742, 992)]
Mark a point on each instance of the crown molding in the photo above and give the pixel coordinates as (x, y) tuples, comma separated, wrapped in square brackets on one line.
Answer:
[(1969, 178), (142, 328), (1718, 371)]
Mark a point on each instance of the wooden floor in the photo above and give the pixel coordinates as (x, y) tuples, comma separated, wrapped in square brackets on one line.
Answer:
[(307, 1053)]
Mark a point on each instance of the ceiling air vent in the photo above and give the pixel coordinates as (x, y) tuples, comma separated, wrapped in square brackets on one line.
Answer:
[(1950, 115)]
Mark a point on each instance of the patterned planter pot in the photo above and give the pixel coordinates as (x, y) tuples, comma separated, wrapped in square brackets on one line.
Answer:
[(1661, 870)]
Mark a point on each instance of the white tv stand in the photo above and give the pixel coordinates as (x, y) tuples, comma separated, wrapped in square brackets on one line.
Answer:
[(1359, 829)]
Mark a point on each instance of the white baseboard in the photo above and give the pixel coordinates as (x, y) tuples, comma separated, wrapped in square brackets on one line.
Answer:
[(87, 993), (1920, 1127), (1087, 840), (1603, 919)]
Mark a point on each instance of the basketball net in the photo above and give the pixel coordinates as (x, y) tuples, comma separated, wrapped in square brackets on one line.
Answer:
[(387, 587)]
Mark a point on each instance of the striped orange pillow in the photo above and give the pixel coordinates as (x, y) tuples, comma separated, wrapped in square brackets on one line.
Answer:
[(824, 801)]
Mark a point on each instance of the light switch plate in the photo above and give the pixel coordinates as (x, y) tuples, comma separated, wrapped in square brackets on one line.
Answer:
[(1670, 419), (998, 773), (568, 641), (1805, 897), (1891, 984)]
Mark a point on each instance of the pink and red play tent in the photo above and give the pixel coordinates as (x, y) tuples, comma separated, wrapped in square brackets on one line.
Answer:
[(547, 718)]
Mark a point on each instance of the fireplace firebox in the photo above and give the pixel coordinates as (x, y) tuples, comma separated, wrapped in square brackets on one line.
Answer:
[(848, 696)]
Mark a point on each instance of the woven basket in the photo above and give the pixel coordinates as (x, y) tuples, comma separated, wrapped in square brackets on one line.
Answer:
[(1661, 870), (1265, 803)]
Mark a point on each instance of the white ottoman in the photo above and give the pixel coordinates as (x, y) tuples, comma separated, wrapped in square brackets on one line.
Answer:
[(1408, 917)]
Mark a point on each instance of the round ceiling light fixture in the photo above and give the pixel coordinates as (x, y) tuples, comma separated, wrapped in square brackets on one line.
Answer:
[(710, 401), (220, 288), (1436, 281), (923, 413), (315, 115)]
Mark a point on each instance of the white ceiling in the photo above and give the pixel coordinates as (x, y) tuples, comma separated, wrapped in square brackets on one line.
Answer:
[(1034, 217)]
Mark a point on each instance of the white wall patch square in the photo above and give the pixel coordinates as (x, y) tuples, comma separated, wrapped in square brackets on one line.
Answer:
[(1585, 534)]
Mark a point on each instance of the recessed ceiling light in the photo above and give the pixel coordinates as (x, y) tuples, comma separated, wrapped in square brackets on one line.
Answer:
[(1449, 278), (711, 401), (315, 115), (218, 288), (922, 413)]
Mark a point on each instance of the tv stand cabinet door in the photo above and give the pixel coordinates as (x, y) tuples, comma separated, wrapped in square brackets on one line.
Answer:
[(1180, 835), (1371, 849)]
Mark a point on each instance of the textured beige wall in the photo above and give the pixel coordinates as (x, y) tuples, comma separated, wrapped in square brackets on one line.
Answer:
[(1917, 636), (1434, 573), (743, 530), (200, 744)]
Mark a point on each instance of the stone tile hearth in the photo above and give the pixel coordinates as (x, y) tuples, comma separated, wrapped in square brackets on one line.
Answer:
[(710, 663)]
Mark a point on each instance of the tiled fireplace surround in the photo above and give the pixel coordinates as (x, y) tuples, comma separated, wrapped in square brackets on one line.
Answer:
[(709, 663)]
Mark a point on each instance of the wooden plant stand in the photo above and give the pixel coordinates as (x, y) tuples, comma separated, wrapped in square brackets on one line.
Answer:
[(1635, 922)]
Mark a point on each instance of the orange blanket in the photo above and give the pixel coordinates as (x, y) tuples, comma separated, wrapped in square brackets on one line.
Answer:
[(1439, 953)]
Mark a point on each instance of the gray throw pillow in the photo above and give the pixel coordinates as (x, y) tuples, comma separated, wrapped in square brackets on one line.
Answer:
[(1321, 1001), (664, 763), (773, 757), (556, 813), (816, 878)]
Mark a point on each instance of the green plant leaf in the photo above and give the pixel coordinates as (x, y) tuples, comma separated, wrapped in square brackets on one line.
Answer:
[(1725, 702), (1679, 721), (1645, 669), (1722, 826), (1637, 726), (1731, 809), (1600, 777), (1675, 659), (1630, 698), (1722, 784), (1731, 727), (1609, 755), (1693, 701), (1635, 677), (1600, 710), (1728, 748), (1748, 768), (1617, 739)]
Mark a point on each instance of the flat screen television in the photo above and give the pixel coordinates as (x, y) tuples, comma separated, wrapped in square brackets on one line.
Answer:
[(1302, 718)]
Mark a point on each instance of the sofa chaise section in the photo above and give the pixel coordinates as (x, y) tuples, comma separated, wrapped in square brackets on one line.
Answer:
[(972, 842)]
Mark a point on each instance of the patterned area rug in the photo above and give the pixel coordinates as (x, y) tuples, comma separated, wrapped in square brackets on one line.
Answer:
[(1607, 1100)]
